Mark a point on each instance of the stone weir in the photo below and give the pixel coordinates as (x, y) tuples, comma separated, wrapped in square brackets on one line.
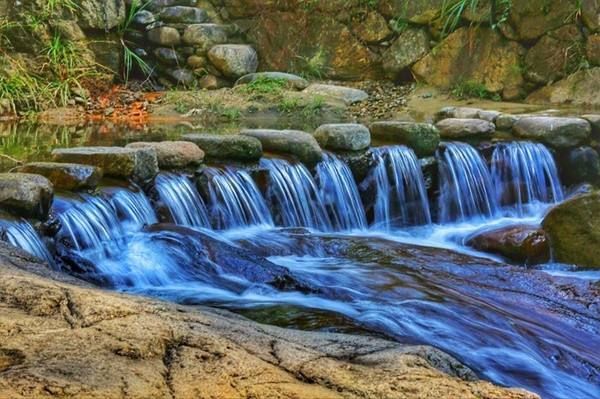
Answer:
[(184, 42)]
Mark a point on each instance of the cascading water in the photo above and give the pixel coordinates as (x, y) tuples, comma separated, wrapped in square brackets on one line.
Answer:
[(339, 194), (401, 197), (134, 208), (295, 196), (93, 227), (466, 189), (22, 235), (524, 174), (182, 199), (235, 200)]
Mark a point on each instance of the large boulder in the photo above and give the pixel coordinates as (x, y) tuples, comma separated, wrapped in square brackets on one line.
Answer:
[(347, 95), (227, 146), (173, 154), (554, 55), (423, 138), (292, 81), (533, 18), (128, 163), (590, 14), (294, 142), (66, 176), (578, 89), (100, 14), (418, 12), (343, 136), (234, 60), (477, 56), (554, 131), (205, 36), (26, 195), (410, 46), (524, 244), (455, 128), (371, 27), (574, 230), (582, 165)]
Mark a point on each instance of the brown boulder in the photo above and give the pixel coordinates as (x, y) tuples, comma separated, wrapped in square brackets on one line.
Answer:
[(533, 18), (66, 176), (526, 244), (26, 195), (579, 89), (592, 49)]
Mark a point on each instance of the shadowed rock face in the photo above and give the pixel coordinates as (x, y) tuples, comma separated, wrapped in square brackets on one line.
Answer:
[(62, 338)]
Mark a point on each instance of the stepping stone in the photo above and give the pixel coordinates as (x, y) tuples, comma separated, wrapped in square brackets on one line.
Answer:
[(66, 176), (294, 142), (346, 94)]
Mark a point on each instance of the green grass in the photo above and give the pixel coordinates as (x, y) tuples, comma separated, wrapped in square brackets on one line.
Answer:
[(265, 85), (130, 59), (313, 67), (471, 89)]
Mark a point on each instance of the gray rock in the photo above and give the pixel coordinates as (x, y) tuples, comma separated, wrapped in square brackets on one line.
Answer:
[(144, 17), (168, 56), (101, 14), (457, 112), (26, 195), (295, 142), (128, 163), (488, 115), (234, 60), (165, 36), (157, 5), (181, 76), (205, 36), (453, 128), (293, 81), (229, 147), (343, 136), (556, 132), (594, 120), (582, 165), (423, 138), (183, 15), (506, 121), (410, 46), (173, 154), (212, 82), (346, 94), (66, 176)]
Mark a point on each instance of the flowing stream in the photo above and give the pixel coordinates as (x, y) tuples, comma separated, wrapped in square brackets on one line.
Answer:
[(304, 241)]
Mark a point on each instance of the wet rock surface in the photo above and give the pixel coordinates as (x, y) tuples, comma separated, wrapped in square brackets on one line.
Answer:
[(67, 176), (27, 195), (423, 138), (234, 147), (556, 132), (116, 346), (344, 137), (454, 128), (174, 154), (294, 142)]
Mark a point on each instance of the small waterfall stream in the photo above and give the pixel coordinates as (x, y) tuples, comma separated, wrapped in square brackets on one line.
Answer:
[(295, 196), (22, 235), (401, 198), (182, 199), (339, 193), (524, 173), (235, 200), (466, 189)]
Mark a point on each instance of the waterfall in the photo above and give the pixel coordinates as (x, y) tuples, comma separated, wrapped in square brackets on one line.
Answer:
[(294, 196), (182, 199), (235, 200), (93, 226), (134, 208), (466, 188), (401, 197), (22, 235), (523, 174), (339, 193)]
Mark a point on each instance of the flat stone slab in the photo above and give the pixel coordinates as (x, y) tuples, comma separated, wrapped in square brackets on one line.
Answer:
[(66, 176), (293, 81), (453, 128), (294, 142), (173, 154), (343, 136), (554, 131), (227, 146), (348, 95), (25, 194), (128, 163), (423, 138)]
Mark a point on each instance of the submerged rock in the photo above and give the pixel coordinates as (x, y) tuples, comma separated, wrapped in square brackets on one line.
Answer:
[(26, 195), (234, 60), (574, 230), (347, 95), (294, 142), (525, 244), (173, 154), (292, 81), (423, 138), (227, 146), (343, 136), (66, 176), (556, 132), (137, 164), (454, 128)]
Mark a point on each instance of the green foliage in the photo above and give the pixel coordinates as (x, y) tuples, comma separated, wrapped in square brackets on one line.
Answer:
[(53, 5), (265, 85), (130, 59), (472, 89), (315, 66), (398, 25), (454, 10)]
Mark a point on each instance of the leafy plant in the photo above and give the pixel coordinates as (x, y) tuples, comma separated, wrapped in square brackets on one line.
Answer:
[(315, 66), (130, 58), (473, 89), (265, 85)]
